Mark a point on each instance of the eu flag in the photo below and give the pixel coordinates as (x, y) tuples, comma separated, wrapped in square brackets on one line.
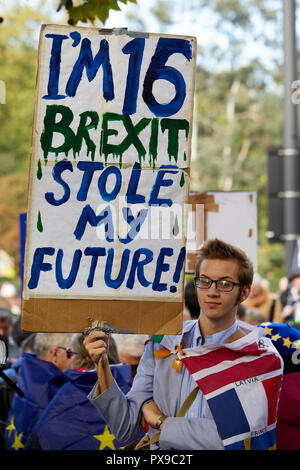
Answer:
[(39, 381), (71, 422)]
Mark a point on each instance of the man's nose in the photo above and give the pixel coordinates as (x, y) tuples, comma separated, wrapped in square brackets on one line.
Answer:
[(213, 289)]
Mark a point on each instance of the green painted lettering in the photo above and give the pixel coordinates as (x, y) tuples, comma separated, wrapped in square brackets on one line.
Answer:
[(117, 150), (174, 126), (51, 126), (83, 134)]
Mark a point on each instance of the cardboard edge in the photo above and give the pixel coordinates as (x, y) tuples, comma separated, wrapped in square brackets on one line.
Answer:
[(74, 315)]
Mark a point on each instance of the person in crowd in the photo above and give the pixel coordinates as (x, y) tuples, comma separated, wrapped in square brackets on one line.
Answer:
[(283, 290), (254, 316), (80, 358), (191, 308), (71, 422), (7, 391), (268, 303), (18, 336), (40, 376), (287, 341), (165, 375), (53, 347), (291, 312), (27, 346), (131, 348), (6, 324)]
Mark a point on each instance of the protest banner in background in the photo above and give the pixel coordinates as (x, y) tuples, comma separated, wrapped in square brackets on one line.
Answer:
[(109, 181), (228, 215)]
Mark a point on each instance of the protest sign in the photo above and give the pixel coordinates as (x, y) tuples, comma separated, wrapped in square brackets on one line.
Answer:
[(109, 181), (228, 215)]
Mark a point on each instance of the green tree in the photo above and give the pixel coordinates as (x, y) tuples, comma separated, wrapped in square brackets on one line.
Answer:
[(91, 10), (238, 106), (13, 201), (18, 52)]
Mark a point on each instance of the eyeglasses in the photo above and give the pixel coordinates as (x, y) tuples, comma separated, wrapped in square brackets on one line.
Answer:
[(68, 351), (223, 285)]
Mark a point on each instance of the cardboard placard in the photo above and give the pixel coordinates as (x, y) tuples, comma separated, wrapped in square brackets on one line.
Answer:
[(230, 216), (109, 181)]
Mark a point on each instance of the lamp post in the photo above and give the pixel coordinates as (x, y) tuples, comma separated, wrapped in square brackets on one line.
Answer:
[(290, 151)]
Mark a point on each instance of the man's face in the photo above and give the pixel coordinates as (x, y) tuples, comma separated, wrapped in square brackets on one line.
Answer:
[(4, 328), (215, 305), (61, 359)]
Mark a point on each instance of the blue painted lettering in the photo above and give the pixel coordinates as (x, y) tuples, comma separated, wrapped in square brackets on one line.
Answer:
[(38, 265), (137, 267), (135, 223), (54, 67), (66, 283), (116, 283), (94, 253), (159, 71), (136, 49), (57, 170), (161, 267), (86, 60), (89, 216)]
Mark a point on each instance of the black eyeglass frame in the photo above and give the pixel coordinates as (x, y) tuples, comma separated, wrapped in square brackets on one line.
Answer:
[(68, 351), (216, 281)]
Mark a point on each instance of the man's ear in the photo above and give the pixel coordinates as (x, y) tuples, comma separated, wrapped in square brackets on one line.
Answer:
[(245, 293), (52, 354)]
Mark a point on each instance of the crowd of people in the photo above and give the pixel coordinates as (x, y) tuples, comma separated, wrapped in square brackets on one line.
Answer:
[(55, 374)]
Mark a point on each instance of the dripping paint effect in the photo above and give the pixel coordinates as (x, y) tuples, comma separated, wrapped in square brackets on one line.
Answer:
[(176, 227), (39, 172), (39, 223)]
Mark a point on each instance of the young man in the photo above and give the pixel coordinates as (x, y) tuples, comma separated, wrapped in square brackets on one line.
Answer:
[(223, 279)]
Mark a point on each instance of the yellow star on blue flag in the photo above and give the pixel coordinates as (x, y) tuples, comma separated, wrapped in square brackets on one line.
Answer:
[(106, 439), (17, 444), (287, 342), (11, 426)]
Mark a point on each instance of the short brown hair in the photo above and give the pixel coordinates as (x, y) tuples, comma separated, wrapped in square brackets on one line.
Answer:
[(218, 249)]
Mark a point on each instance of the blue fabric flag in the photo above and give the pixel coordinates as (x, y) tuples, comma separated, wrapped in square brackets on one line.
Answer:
[(55, 413), (286, 340), (71, 422), (39, 381)]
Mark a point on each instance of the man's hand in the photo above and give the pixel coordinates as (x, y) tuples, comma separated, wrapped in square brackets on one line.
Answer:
[(97, 343), (151, 413)]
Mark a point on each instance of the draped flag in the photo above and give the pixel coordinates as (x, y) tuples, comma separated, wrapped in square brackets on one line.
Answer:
[(55, 412), (241, 382), (39, 381), (71, 422), (286, 340)]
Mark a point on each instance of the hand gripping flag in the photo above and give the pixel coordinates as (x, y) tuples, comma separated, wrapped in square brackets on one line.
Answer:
[(241, 382)]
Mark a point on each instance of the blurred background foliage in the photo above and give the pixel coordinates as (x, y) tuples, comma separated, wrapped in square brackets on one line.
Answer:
[(238, 97)]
